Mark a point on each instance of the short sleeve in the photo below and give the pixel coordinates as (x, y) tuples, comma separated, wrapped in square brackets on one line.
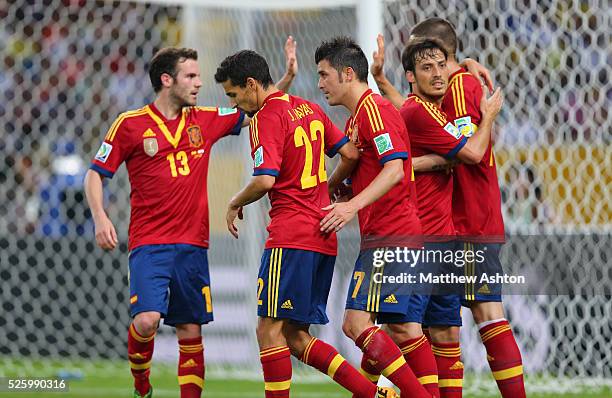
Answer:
[(334, 137), (383, 129), (220, 122), (431, 131), (115, 148), (267, 140)]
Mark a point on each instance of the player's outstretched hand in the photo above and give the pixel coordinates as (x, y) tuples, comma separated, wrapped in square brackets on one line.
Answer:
[(378, 57), (230, 217), (291, 56), (106, 236), (479, 71), (339, 215), (492, 105)]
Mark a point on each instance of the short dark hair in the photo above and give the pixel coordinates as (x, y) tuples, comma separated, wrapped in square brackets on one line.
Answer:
[(440, 29), (165, 61), (343, 52), (237, 68), (418, 49)]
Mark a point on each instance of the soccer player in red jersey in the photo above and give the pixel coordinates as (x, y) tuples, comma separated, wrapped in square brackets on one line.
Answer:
[(289, 139), (425, 64), (384, 199), (476, 211), (166, 147)]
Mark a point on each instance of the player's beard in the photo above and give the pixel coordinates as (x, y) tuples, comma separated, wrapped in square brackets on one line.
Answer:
[(182, 100)]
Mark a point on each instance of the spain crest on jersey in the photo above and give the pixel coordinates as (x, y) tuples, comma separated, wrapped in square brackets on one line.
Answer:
[(353, 135), (150, 146), (195, 136)]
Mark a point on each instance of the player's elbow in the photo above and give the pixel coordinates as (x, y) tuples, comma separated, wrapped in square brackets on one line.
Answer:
[(395, 170), (265, 182), (469, 156)]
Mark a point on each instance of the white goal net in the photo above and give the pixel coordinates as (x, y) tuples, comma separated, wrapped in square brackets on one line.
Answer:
[(70, 67)]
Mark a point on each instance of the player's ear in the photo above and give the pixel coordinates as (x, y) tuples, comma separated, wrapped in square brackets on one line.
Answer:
[(349, 74), (166, 79), (410, 77), (251, 83)]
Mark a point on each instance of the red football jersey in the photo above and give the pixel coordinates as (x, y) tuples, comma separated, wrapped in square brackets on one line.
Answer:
[(380, 134), (430, 132), (289, 139), (476, 196), (167, 164)]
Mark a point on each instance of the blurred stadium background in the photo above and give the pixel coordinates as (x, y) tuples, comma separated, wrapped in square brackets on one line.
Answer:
[(70, 67)]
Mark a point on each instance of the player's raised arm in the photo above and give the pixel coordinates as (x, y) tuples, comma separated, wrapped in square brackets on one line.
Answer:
[(377, 70), (106, 236), (476, 146), (291, 65)]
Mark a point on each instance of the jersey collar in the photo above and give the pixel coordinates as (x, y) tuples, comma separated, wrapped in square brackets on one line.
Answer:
[(276, 95)]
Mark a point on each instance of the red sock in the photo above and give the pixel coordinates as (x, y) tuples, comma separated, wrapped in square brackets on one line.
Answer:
[(368, 370), (418, 355), (504, 358), (140, 353), (191, 367), (326, 359), (276, 365), (450, 369), (388, 360)]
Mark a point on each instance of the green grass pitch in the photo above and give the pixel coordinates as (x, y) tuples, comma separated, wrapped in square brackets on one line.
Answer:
[(115, 382)]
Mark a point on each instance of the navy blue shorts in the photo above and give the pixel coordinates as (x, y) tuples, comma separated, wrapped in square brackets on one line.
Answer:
[(381, 285), (294, 284), (482, 291), (442, 309), (172, 280)]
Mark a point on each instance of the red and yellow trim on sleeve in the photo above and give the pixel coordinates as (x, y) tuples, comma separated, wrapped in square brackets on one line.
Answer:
[(254, 128), (112, 131), (371, 108), (433, 111), (274, 271), (456, 86)]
